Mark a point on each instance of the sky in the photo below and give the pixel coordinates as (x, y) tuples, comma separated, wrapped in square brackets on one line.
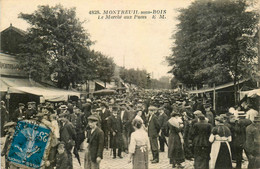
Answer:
[(133, 43)]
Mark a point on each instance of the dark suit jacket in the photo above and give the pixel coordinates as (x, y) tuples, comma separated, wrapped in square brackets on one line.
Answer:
[(153, 127), (96, 143), (162, 119), (202, 131), (62, 161), (67, 134), (125, 120), (103, 117), (16, 115), (115, 125)]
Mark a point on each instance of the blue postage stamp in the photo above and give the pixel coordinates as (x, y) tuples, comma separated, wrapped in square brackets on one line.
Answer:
[(29, 144)]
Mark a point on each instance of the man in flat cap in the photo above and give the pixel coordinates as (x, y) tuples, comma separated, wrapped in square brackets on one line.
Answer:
[(31, 111), (18, 113), (95, 147), (153, 132), (68, 136)]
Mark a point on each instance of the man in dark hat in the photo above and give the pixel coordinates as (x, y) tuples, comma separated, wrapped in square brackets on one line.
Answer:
[(153, 132), (18, 113), (162, 119), (200, 138), (104, 114), (116, 128), (125, 118), (209, 114), (253, 143), (95, 140)]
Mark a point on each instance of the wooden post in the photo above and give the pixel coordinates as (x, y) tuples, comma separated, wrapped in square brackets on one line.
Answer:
[(214, 97)]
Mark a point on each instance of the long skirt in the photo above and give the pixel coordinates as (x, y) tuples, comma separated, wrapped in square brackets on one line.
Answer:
[(201, 157), (140, 158), (220, 156)]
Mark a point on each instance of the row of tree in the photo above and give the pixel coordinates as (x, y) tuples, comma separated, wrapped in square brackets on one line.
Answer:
[(57, 48), (143, 79), (216, 42)]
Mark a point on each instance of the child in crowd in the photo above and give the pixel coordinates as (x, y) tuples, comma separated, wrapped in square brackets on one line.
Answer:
[(61, 157)]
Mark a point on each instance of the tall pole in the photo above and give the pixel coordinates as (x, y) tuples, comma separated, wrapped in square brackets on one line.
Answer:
[(258, 81), (214, 98)]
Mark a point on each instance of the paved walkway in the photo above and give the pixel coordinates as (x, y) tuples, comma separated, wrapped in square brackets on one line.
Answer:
[(109, 163)]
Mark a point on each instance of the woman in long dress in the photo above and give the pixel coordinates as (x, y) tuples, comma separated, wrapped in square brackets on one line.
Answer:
[(139, 146), (175, 149), (220, 155)]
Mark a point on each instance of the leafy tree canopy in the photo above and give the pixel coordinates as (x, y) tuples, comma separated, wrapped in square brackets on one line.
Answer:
[(215, 42), (56, 43)]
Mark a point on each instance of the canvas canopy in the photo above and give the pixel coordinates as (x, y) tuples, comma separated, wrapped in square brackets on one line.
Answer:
[(216, 88), (250, 93), (6, 82), (49, 94)]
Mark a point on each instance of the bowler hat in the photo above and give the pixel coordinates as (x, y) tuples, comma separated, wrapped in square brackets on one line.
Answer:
[(114, 108)]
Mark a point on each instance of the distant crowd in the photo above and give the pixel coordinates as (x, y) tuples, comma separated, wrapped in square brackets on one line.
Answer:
[(140, 123)]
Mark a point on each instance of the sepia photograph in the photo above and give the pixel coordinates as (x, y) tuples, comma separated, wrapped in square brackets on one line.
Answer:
[(130, 84)]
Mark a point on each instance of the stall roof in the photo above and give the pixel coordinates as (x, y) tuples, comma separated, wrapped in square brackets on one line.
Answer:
[(6, 82), (50, 94), (250, 93), (216, 88)]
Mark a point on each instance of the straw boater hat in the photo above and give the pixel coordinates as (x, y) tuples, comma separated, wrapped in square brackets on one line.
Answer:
[(63, 107)]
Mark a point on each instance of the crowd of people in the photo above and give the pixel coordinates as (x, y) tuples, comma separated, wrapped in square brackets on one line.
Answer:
[(139, 123)]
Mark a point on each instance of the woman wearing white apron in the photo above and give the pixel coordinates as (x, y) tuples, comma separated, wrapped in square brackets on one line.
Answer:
[(220, 155)]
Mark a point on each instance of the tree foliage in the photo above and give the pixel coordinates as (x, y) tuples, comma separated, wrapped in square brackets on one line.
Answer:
[(104, 67), (143, 79), (56, 43), (215, 42)]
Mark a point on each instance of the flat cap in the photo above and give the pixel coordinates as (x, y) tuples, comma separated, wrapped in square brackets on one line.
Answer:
[(21, 104), (152, 108), (93, 118)]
